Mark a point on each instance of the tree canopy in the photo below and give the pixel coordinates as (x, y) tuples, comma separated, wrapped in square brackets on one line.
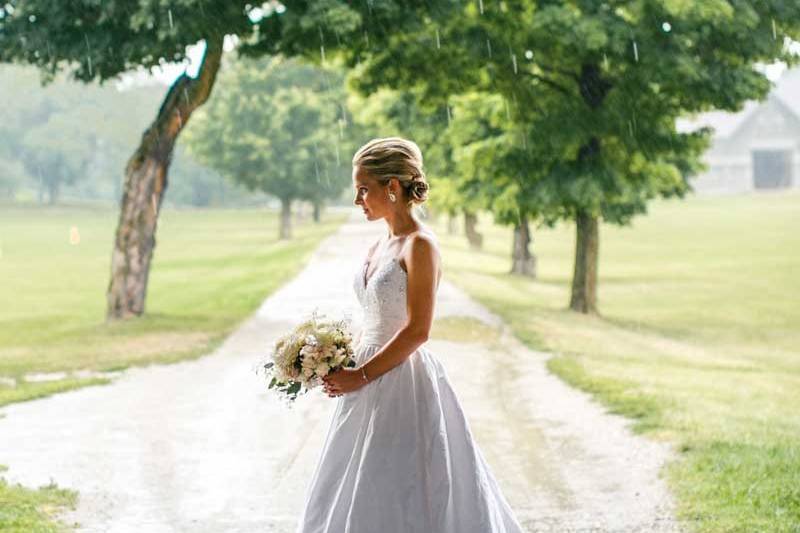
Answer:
[(594, 88), (277, 127)]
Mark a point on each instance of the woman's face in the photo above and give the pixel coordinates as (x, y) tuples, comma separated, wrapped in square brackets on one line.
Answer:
[(370, 195)]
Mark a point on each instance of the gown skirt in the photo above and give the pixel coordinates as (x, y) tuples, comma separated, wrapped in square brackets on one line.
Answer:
[(399, 457)]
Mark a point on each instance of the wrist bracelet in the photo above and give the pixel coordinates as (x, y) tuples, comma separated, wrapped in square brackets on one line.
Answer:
[(364, 374)]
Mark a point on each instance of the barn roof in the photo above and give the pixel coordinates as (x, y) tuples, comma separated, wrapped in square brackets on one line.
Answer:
[(788, 89), (726, 123)]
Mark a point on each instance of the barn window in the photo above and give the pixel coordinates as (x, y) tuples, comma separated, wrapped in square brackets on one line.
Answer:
[(772, 169)]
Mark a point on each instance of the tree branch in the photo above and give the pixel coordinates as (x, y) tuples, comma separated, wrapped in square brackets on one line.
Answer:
[(202, 85), (187, 93), (574, 75), (555, 85)]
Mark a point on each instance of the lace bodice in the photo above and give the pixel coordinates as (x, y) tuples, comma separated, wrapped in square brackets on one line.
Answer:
[(383, 300)]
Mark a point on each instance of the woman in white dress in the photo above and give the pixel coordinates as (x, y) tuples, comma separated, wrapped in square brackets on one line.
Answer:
[(399, 455)]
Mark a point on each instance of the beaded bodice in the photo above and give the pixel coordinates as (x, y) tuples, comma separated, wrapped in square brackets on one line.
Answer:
[(383, 300)]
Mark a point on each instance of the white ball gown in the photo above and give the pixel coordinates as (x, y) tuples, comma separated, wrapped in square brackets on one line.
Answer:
[(399, 455)]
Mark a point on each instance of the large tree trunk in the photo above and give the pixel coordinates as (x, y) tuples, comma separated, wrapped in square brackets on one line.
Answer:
[(146, 183), (286, 218), (523, 262), (594, 89), (474, 238), (584, 281), (317, 210)]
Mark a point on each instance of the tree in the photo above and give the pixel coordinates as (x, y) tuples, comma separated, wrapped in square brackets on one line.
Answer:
[(600, 82), (57, 154), (99, 40), (94, 127), (595, 87), (275, 127), (12, 175), (87, 127), (37, 135), (494, 162)]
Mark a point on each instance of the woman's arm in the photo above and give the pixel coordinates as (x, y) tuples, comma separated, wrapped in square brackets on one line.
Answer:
[(422, 267)]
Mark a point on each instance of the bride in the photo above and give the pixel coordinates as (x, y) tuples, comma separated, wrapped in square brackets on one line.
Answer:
[(399, 455)]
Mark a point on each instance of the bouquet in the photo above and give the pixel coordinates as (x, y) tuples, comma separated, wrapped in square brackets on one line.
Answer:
[(311, 351)]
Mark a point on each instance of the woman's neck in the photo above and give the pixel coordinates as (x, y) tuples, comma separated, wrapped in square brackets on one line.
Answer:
[(401, 225)]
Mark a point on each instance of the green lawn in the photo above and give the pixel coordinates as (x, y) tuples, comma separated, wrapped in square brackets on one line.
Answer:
[(211, 269), (698, 341), (32, 511)]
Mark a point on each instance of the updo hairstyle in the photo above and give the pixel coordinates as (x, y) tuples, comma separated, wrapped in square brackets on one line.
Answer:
[(395, 157)]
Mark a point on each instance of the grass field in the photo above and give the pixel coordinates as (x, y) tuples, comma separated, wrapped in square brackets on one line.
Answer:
[(24, 510), (698, 340), (211, 269)]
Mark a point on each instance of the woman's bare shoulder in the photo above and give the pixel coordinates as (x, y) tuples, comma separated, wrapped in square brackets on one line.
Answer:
[(422, 242), (426, 239)]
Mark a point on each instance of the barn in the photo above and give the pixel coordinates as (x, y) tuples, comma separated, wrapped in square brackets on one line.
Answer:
[(758, 147)]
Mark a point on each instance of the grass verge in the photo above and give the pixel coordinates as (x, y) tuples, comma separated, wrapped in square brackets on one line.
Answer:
[(24, 510)]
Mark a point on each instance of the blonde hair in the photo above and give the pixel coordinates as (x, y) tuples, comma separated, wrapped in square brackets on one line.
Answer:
[(395, 157)]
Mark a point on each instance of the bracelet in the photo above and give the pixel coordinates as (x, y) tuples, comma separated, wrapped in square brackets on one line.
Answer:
[(364, 374)]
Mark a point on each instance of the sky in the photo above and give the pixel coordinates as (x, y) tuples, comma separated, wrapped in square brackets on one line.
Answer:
[(169, 72)]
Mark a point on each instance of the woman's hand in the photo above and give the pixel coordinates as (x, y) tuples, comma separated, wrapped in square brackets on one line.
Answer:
[(343, 381)]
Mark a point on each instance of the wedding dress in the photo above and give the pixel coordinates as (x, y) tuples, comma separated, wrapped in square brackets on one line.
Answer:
[(399, 455)]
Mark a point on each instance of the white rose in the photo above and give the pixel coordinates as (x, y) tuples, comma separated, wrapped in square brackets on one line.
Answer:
[(323, 369), (311, 357), (307, 349)]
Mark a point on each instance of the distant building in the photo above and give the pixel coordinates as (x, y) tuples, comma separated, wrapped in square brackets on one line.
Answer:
[(756, 148)]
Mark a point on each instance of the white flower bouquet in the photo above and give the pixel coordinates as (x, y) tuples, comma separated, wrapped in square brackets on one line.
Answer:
[(312, 350)]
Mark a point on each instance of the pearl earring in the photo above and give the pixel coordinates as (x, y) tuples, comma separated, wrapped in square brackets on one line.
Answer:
[(392, 197)]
